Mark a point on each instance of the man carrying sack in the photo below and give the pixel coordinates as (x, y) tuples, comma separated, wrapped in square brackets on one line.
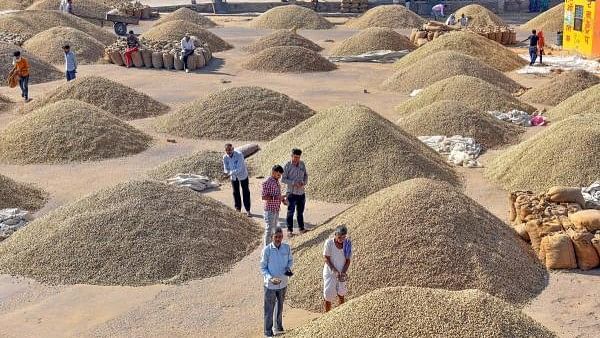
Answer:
[(20, 74)]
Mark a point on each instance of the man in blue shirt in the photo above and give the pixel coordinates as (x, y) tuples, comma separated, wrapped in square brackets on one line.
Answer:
[(276, 267), (234, 166), (70, 63)]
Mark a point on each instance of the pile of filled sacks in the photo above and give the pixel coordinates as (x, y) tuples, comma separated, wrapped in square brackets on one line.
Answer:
[(563, 233)]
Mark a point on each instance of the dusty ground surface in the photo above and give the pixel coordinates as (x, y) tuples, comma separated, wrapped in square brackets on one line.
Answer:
[(229, 305)]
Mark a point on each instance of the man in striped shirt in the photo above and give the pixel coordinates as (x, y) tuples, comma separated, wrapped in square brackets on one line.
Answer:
[(295, 177), (272, 197)]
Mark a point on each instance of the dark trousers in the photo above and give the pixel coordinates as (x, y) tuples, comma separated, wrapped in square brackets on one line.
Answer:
[(24, 85), (295, 203), (186, 55), (237, 199), (532, 54), (273, 308), (541, 52), (70, 75)]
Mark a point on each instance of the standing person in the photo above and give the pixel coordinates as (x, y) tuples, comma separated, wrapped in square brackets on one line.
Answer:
[(133, 45), (295, 176), (69, 7), (464, 21), (63, 6), (187, 49), (276, 267), (70, 63), (337, 254), (271, 195), (438, 11), (21, 70), (234, 166), (533, 42), (540, 44), (407, 4)]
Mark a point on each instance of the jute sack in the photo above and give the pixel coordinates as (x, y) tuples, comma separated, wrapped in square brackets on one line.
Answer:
[(413, 35), (537, 229), (177, 62), (157, 60), (521, 230), (557, 252), (586, 220), (191, 62), (167, 60), (512, 211), (207, 54), (199, 59), (136, 58), (106, 56), (587, 257), (421, 35), (147, 57), (116, 58), (596, 243), (561, 194), (421, 41)]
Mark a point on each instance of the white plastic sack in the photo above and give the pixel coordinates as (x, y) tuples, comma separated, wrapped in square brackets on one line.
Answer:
[(461, 151), (12, 220), (194, 182), (383, 56), (551, 63), (591, 195)]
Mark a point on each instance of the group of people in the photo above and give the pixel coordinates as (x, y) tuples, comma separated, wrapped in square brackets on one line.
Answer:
[(437, 12), (20, 71), (536, 46), (276, 260), (133, 45)]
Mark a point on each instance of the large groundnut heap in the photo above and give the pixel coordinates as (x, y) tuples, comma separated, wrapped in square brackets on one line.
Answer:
[(561, 231)]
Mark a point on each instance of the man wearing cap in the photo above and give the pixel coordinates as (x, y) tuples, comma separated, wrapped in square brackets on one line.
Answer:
[(234, 166), (295, 177), (275, 265), (337, 253), (272, 197), (187, 49)]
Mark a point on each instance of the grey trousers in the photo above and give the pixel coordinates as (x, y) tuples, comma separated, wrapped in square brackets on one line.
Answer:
[(274, 308)]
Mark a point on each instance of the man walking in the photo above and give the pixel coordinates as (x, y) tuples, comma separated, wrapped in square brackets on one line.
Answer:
[(276, 267), (533, 43), (271, 195), (21, 71), (234, 166), (337, 254), (187, 49), (295, 177), (70, 63)]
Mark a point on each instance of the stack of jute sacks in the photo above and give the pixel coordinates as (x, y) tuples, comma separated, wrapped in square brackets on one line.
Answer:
[(158, 54), (136, 10), (562, 232), (503, 35), (354, 6), (429, 31)]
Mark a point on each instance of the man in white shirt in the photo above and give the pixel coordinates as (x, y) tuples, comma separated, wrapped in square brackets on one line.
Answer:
[(187, 49), (337, 253), (234, 166)]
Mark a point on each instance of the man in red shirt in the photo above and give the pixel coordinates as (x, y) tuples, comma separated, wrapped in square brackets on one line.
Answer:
[(271, 195)]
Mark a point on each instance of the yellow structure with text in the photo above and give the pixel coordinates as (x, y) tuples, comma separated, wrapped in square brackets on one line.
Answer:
[(581, 31)]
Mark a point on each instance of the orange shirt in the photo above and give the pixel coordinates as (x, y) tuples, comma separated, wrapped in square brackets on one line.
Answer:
[(22, 67), (541, 42)]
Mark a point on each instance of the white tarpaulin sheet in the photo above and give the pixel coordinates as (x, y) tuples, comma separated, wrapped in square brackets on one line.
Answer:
[(591, 194), (560, 62), (12, 220), (462, 151), (382, 56), (194, 182)]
